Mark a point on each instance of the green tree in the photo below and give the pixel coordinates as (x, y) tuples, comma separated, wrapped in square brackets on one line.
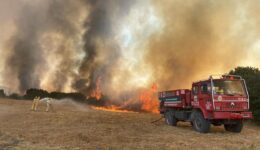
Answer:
[(15, 96), (2, 93), (32, 93), (252, 78)]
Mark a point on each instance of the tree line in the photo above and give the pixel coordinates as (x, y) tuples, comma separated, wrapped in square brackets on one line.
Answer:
[(30, 94)]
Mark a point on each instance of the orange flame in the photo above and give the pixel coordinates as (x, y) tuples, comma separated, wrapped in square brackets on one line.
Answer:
[(112, 108), (97, 93), (149, 100)]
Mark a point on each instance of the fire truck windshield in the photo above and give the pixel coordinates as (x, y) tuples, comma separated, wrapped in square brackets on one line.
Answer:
[(229, 87)]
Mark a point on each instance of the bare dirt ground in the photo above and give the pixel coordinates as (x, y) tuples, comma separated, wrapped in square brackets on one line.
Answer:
[(74, 127)]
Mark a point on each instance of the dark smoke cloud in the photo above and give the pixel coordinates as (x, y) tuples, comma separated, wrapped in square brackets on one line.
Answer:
[(26, 59), (45, 32), (25, 50), (62, 19), (100, 24)]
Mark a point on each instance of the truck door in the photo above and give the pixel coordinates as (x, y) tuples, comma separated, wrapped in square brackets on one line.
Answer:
[(194, 95), (205, 95)]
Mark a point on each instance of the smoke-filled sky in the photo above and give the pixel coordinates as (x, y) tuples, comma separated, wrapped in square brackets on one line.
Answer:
[(67, 45)]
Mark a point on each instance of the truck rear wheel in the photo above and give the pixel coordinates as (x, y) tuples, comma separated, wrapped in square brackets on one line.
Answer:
[(200, 124), (236, 128), (170, 119)]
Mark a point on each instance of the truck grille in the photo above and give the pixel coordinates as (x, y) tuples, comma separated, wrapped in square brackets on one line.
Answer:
[(233, 106)]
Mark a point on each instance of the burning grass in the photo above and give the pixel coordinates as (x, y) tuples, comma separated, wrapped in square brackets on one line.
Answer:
[(145, 101), (112, 108)]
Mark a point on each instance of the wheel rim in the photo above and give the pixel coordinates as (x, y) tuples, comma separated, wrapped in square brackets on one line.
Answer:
[(198, 123), (167, 119)]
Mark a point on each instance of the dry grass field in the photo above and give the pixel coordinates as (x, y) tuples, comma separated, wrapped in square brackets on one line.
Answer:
[(74, 127)]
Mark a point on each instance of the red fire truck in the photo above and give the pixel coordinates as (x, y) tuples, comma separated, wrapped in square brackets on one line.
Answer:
[(219, 100)]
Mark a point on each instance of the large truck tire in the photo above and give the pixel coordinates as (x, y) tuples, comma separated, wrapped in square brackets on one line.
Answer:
[(200, 124), (236, 128), (170, 119)]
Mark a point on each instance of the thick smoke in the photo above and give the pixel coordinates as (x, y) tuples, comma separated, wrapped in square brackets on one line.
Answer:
[(127, 46), (25, 50), (63, 43), (43, 35), (101, 50), (200, 38)]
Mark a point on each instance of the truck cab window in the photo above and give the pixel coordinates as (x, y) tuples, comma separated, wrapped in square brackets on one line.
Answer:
[(195, 90), (204, 89)]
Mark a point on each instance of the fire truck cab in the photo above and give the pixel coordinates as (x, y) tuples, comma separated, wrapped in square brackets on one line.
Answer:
[(218, 100)]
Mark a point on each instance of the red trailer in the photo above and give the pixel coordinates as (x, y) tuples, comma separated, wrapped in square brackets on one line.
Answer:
[(217, 100)]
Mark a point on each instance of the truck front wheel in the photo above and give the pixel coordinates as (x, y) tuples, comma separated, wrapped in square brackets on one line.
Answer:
[(170, 119), (200, 124), (236, 128)]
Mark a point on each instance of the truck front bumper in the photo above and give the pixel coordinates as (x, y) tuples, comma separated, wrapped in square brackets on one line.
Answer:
[(232, 115)]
